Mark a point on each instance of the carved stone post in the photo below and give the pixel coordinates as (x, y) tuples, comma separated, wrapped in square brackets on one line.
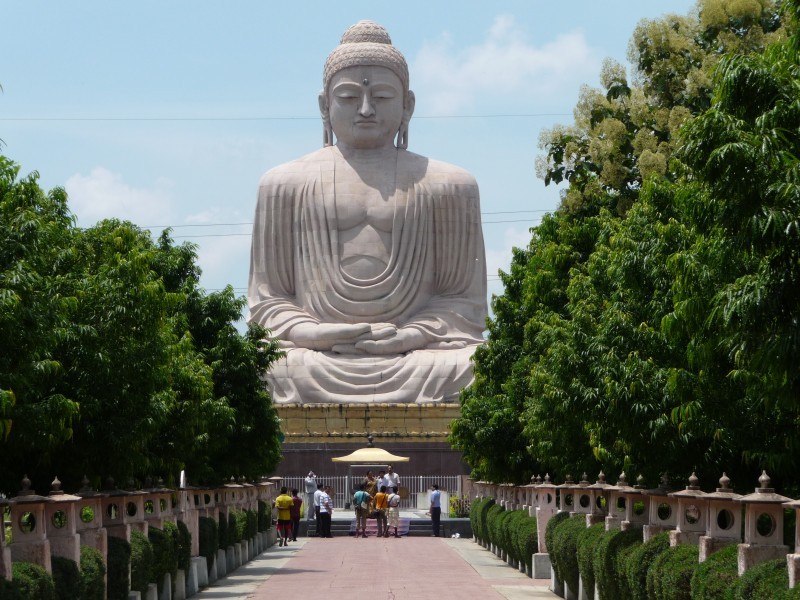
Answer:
[(28, 531), (692, 514), (723, 526), (763, 525), (663, 509)]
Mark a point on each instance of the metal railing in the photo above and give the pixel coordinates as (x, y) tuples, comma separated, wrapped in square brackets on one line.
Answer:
[(414, 485)]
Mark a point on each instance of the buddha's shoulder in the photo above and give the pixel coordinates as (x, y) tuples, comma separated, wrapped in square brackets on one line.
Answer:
[(299, 171), (431, 171)]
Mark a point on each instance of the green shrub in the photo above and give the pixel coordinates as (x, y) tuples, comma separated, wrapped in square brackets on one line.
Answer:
[(481, 515), (504, 533), (586, 543), (93, 572), (119, 564), (141, 562), (234, 534), (625, 592), (493, 523), (224, 536), (713, 578), (474, 507), (607, 554), (8, 589), (32, 582), (549, 532), (264, 520), (670, 575), (639, 561), (66, 577), (209, 539), (252, 524), (165, 558), (184, 547), (767, 581), (525, 536), (565, 549)]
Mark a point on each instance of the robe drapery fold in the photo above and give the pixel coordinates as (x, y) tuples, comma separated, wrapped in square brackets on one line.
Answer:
[(434, 281)]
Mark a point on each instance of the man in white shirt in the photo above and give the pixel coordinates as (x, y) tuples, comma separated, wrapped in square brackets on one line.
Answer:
[(436, 509), (392, 479), (325, 513), (317, 495)]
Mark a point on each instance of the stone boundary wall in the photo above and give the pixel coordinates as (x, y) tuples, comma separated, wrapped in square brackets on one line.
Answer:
[(59, 524), (710, 520)]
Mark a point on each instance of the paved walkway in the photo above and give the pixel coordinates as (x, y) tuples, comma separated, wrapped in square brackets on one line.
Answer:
[(409, 568)]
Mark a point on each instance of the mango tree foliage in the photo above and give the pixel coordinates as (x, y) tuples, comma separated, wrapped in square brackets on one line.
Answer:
[(118, 363), (745, 151), (625, 132), (36, 417)]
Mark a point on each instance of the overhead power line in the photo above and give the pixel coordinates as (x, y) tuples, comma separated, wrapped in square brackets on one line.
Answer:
[(280, 118)]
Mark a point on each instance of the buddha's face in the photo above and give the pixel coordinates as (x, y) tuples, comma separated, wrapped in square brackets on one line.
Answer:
[(366, 107)]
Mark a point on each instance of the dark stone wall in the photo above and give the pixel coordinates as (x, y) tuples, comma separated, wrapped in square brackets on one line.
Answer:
[(433, 458)]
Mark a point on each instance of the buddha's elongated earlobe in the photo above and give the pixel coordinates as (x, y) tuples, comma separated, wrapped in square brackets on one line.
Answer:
[(408, 110), (327, 129)]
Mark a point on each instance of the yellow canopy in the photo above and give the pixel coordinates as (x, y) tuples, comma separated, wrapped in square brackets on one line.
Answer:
[(371, 456)]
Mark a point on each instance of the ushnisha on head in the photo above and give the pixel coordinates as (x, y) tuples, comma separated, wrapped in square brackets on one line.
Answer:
[(366, 44)]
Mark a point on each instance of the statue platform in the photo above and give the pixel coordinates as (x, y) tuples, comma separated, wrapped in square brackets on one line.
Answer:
[(316, 433)]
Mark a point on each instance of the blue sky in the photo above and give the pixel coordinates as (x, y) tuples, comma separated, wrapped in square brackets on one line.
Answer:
[(167, 113)]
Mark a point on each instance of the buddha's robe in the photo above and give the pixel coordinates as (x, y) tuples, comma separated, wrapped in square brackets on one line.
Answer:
[(435, 282)]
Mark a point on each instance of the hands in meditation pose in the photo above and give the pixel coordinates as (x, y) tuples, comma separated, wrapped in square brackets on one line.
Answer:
[(367, 260)]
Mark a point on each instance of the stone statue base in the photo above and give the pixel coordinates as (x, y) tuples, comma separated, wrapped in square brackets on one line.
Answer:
[(316, 433)]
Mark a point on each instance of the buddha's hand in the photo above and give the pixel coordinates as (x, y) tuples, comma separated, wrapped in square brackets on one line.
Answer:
[(325, 336), (403, 340)]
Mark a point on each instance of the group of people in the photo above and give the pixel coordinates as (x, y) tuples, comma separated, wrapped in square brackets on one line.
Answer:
[(377, 497), (289, 509)]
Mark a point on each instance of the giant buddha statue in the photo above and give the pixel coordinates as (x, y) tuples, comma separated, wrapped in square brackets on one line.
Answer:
[(368, 262)]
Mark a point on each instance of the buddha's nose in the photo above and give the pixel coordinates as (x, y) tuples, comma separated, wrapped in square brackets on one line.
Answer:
[(366, 109)]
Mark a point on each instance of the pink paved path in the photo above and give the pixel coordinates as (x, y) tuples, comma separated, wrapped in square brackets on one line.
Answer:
[(346, 568)]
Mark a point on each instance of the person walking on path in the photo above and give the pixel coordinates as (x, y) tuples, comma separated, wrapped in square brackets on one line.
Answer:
[(381, 504), (361, 500), (284, 505), (394, 511), (310, 484), (325, 513), (436, 509), (297, 503)]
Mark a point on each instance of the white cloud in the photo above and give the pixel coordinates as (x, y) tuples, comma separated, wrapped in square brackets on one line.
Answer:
[(103, 194), (498, 256), (505, 64)]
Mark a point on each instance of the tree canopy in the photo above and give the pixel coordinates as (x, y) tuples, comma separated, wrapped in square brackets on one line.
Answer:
[(117, 363), (652, 323)]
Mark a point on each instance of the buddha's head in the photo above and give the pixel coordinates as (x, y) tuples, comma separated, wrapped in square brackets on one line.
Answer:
[(365, 101)]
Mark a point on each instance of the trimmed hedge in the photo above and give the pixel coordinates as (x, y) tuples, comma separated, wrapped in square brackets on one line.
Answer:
[(240, 518), (481, 511), (32, 582), (141, 562), (524, 538), (639, 561), (767, 581), (712, 580), (611, 547), (264, 516), (670, 575), (252, 524), (564, 551), (493, 523), (66, 577), (119, 564), (234, 535), (184, 548), (586, 543), (625, 592), (93, 572), (224, 536), (165, 556), (209, 539), (549, 533)]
